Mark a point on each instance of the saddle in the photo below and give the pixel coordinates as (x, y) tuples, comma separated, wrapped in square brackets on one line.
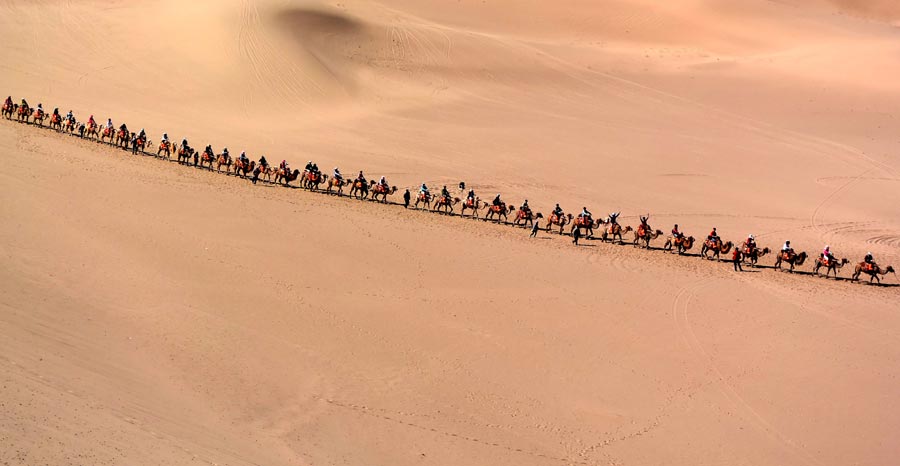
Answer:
[(868, 267), (786, 255), (614, 229), (55, 118), (498, 208), (712, 243), (555, 219), (424, 197), (311, 176), (470, 202), (584, 221), (641, 231)]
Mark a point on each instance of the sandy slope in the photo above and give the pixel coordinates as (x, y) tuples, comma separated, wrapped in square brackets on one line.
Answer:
[(153, 314)]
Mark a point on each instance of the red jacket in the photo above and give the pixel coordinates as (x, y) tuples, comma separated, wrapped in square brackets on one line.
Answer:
[(736, 255)]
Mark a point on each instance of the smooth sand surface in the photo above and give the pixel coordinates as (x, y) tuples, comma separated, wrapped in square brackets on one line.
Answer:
[(152, 313)]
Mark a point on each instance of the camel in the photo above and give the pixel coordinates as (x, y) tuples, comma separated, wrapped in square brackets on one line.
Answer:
[(286, 177), (645, 236), (872, 270), (445, 204), (560, 220), (56, 122), (223, 160), (92, 132), (526, 217), (333, 183), (752, 254), (423, 198), (379, 189), (138, 144), (164, 146), (9, 110), (122, 138), (108, 133), (23, 113), (612, 231), (39, 116), (501, 211), (312, 180), (242, 169), (70, 125), (472, 204), (359, 189), (184, 155), (794, 260), (207, 158), (266, 171), (832, 265), (717, 247), (681, 244), (585, 223)]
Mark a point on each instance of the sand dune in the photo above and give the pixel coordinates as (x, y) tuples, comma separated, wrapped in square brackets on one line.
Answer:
[(155, 314)]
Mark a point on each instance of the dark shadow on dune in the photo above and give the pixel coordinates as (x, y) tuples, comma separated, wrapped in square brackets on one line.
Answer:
[(307, 22)]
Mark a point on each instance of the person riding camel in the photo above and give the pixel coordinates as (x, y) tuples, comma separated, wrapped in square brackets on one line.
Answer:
[(786, 250), (24, 104), (557, 211), (142, 134), (470, 196), (869, 261), (497, 202), (423, 191), (445, 194), (308, 167), (123, 128), (525, 207), (337, 174), (383, 182), (827, 255), (91, 122), (613, 218), (262, 161), (8, 101), (55, 111), (244, 160), (585, 213), (165, 138), (750, 243), (675, 233), (361, 178), (109, 124), (315, 168), (40, 108), (713, 236)]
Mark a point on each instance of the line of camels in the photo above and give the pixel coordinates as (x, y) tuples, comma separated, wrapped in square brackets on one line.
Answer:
[(611, 231)]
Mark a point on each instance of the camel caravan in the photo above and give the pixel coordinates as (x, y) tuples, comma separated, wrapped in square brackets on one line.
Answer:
[(311, 178)]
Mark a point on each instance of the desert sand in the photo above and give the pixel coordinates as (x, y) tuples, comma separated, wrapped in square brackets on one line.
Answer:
[(152, 313)]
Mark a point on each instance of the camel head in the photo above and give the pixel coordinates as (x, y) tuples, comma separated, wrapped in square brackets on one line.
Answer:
[(393, 189), (371, 183), (764, 251), (658, 233), (456, 200), (801, 258), (539, 215), (889, 269), (627, 229)]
